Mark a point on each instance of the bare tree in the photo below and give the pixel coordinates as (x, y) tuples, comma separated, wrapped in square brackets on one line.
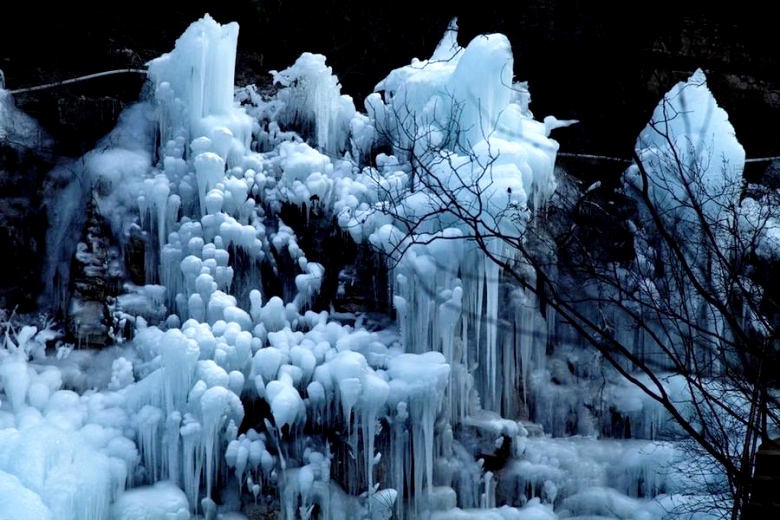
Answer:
[(682, 314)]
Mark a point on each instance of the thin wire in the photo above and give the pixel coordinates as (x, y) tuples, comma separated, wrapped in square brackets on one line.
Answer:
[(596, 157), (145, 72), (629, 161), (76, 80)]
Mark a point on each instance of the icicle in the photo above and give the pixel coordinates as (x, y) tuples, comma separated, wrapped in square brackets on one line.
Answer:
[(172, 445), (149, 419), (449, 315), (424, 377), (374, 396), (159, 198), (179, 355), (399, 446), (193, 456), (526, 339), (209, 170), (492, 273)]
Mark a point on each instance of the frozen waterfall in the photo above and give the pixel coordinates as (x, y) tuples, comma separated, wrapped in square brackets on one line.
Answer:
[(229, 393)]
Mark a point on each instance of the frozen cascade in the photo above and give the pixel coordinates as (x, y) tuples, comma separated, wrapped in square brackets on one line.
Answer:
[(241, 396)]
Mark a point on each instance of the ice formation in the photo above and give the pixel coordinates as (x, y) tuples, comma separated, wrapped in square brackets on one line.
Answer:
[(689, 144), (230, 395), (690, 186)]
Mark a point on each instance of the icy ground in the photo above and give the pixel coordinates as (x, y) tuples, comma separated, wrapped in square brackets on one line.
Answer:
[(229, 402)]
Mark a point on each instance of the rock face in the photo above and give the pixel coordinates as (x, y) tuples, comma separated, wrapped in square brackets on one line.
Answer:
[(96, 276), (22, 225)]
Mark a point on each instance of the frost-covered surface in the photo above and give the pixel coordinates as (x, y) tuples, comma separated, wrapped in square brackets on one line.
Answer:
[(229, 397)]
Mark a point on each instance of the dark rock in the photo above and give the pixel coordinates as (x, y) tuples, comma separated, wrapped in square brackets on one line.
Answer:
[(22, 224), (95, 277), (355, 278)]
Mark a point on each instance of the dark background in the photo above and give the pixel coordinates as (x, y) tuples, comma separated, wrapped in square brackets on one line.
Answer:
[(604, 63)]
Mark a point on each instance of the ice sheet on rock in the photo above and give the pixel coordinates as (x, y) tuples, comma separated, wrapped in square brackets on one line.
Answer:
[(472, 90), (692, 164), (605, 501), (69, 470)]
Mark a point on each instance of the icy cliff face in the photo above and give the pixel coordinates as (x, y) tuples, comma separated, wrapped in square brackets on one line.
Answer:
[(233, 393)]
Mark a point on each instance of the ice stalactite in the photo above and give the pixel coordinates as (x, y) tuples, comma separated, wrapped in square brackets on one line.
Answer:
[(530, 342), (492, 273), (179, 355), (449, 329)]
